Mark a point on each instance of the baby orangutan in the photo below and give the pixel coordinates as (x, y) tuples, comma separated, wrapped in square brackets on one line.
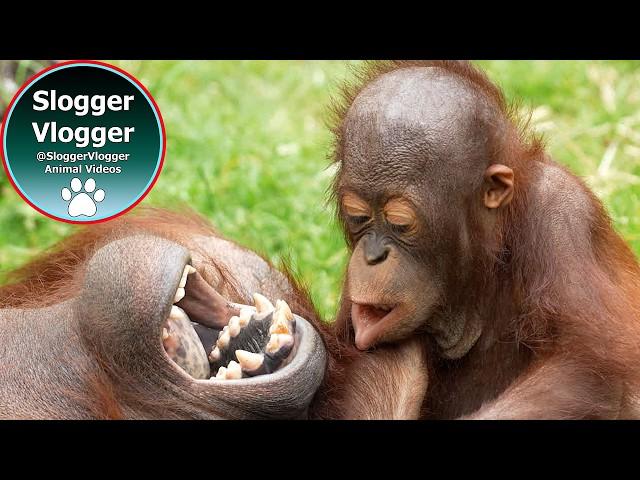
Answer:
[(466, 235)]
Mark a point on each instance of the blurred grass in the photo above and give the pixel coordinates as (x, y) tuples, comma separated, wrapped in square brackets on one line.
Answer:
[(247, 148)]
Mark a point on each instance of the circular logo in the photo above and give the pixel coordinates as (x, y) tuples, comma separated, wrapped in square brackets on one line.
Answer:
[(83, 142)]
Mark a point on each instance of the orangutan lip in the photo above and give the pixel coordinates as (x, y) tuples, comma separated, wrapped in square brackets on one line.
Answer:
[(373, 312), (370, 321), (181, 341)]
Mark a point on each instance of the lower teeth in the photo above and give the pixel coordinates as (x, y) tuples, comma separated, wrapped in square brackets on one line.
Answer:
[(255, 342)]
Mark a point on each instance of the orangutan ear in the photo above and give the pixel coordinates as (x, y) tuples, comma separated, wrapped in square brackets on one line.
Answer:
[(498, 186)]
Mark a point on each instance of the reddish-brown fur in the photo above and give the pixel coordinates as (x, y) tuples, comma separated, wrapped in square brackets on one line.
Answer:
[(567, 325)]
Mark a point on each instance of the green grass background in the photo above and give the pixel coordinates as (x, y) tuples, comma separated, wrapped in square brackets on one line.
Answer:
[(247, 148)]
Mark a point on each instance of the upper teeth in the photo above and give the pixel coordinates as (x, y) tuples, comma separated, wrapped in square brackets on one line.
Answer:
[(176, 312), (187, 270), (180, 292)]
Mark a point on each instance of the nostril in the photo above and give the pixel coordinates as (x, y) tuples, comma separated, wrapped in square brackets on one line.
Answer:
[(374, 258)]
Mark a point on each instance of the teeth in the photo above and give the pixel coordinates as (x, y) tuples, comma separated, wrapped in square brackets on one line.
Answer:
[(233, 371), (263, 305), (272, 346), (165, 334), (183, 280), (221, 372), (176, 313), (179, 295), (277, 341), (281, 318), (234, 326), (214, 356), (284, 307), (187, 270), (224, 339), (224, 329), (279, 327), (245, 316), (249, 361)]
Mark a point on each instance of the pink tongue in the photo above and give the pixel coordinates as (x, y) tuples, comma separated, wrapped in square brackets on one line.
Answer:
[(365, 319)]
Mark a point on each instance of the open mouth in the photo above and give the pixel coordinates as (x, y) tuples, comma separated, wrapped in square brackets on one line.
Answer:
[(211, 338), (370, 321)]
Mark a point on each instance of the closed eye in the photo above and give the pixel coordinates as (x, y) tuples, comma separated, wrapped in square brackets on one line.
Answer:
[(400, 229), (355, 208), (400, 215), (358, 219)]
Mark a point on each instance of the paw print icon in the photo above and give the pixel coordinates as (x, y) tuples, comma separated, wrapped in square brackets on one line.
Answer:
[(82, 199)]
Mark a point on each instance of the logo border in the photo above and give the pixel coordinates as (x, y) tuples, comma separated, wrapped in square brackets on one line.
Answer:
[(106, 66)]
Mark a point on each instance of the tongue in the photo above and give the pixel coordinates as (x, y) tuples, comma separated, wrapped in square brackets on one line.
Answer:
[(204, 305), (366, 323)]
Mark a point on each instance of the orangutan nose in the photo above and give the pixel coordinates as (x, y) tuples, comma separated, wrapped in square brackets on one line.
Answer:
[(375, 250)]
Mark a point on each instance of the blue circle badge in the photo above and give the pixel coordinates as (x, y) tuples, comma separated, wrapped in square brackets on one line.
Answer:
[(83, 142)]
